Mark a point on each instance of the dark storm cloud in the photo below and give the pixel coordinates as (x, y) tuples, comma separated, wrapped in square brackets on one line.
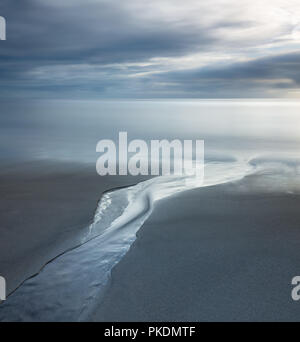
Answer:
[(274, 67), (101, 32), (275, 72)]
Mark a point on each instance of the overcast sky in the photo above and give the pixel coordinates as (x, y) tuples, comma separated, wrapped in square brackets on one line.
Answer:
[(150, 49)]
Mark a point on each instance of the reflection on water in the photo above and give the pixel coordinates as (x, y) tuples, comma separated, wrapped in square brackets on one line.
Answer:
[(70, 130)]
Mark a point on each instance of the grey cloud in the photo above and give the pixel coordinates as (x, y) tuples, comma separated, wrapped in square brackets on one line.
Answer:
[(100, 33), (255, 77), (45, 38)]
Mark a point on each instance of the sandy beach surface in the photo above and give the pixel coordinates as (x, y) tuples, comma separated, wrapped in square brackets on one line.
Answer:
[(45, 208), (224, 253)]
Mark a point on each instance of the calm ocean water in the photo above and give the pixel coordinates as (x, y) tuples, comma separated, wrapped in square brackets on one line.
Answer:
[(70, 130)]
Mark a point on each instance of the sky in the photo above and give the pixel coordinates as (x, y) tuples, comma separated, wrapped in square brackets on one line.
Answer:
[(93, 49)]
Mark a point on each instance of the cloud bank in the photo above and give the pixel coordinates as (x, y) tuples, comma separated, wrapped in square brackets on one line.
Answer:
[(142, 49)]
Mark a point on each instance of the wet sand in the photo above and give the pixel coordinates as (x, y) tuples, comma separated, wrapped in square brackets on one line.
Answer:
[(45, 208), (224, 253)]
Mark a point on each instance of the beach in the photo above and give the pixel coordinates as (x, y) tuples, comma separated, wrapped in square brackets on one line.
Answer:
[(211, 254), (77, 246), (46, 208), (220, 253), (149, 163)]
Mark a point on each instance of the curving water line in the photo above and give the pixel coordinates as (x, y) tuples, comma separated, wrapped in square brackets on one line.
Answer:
[(69, 286)]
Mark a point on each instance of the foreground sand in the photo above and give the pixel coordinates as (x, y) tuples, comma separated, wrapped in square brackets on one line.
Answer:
[(214, 254), (45, 208), (224, 253)]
